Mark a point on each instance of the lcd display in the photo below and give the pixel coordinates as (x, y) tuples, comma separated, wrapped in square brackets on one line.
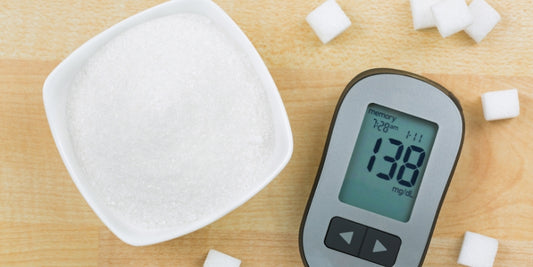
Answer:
[(388, 162)]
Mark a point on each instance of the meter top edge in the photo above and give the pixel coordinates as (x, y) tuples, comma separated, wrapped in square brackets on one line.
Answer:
[(380, 71)]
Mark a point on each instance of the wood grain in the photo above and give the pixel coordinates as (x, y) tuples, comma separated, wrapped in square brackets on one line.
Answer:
[(44, 221)]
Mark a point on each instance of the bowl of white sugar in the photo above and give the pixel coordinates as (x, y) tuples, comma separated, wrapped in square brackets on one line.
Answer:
[(167, 121)]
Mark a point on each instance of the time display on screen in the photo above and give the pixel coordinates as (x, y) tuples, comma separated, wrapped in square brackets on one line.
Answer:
[(388, 162)]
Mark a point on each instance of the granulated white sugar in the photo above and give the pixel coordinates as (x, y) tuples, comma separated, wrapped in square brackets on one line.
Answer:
[(170, 122)]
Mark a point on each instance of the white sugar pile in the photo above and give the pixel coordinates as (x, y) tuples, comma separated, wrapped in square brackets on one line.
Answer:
[(170, 122)]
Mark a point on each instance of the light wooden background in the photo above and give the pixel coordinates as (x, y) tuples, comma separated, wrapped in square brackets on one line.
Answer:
[(44, 221)]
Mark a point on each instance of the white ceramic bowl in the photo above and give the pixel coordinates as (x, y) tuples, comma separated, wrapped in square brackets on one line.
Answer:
[(59, 81)]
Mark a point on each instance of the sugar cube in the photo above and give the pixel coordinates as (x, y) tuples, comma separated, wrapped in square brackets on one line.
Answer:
[(485, 18), (451, 16), (422, 15), (499, 105), (478, 250), (328, 20), (218, 259)]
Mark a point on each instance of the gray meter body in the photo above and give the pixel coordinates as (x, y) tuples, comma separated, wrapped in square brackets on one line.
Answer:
[(391, 151)]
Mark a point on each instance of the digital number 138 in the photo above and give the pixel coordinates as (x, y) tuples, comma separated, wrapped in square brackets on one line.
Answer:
[(407, 164)]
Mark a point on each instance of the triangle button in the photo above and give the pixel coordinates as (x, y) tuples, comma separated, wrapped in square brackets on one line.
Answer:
[(378, 247), (347, 236)]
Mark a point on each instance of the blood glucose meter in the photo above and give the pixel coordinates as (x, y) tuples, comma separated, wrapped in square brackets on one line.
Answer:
[(392, 148)]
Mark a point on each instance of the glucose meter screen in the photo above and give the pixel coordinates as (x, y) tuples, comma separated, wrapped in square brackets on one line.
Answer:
[(388, 162)]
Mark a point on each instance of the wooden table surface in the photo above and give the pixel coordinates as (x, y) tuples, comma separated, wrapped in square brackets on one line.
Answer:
[(44, 221)]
